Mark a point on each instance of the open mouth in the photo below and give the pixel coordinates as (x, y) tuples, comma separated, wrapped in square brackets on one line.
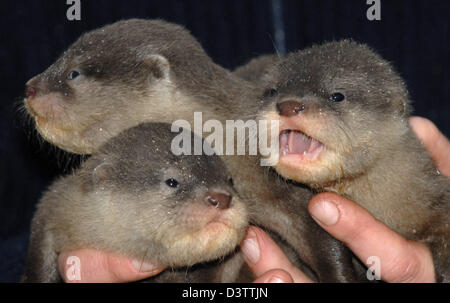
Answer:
[(296, 143)]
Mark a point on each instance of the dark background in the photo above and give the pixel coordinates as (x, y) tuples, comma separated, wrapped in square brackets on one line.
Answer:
[(413, 35)]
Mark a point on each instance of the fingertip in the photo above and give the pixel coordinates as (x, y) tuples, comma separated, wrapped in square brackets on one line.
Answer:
[(436, 143), (94, 266), (257, 244), (267, 256), (346, 208), (333, 211), (420, 122), (324, 209), (424, 129), (69, 266), (123, 269), (342, 218), (250, 246), (328, 197)]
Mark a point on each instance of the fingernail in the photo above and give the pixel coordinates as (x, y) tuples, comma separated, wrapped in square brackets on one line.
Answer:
[(325, 212), (275, 280), (141, 266), (250, 247)]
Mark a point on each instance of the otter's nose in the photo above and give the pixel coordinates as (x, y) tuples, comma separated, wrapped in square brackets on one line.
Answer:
[(218, 200), (31, 89), (30, 92), (290, 108)]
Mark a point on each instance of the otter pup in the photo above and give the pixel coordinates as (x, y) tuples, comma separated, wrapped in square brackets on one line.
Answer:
[(137, 71), (343, 114), (143, 202), (123, 74)]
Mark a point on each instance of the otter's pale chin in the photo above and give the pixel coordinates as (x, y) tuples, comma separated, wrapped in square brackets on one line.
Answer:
[(223, 228), (224, 237), (215, 240), (64, 138)]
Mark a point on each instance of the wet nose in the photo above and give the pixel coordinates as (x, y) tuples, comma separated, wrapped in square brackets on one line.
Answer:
[(290, 108), (31, 89), (218, 200), (30, 92)]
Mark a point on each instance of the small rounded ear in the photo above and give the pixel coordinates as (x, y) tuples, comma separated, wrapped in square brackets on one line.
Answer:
[(102, 172), (158, 65), (400, 106)]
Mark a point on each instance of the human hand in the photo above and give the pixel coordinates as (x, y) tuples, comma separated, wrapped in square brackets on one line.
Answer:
[(267, 261), (434, 141), (401, 260), (101, 267)]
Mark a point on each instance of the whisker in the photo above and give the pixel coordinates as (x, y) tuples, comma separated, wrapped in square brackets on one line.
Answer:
[(277, 52), (143, 259)]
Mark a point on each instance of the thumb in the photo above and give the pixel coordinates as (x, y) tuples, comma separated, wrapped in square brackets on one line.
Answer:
[(434, 141), (94, 266), (400, 260)]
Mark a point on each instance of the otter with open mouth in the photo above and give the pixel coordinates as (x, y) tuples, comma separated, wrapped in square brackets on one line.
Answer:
[(343, 117)]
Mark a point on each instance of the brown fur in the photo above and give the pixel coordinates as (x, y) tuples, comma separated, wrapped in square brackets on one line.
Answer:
[(370, 154)]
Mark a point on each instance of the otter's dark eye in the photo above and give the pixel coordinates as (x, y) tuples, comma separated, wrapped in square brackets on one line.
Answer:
[(172, 182), (271, 92), (73, 74), (337, 97), (230, 182)]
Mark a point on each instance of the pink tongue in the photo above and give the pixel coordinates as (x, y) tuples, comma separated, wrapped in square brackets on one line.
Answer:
[(298, 143)]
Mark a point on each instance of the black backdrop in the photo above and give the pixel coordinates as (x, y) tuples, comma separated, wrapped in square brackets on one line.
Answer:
[(414, 35)]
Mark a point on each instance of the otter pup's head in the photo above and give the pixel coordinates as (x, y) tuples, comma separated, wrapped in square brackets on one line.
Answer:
[(339, 106), (172, 210), (113, 78)]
